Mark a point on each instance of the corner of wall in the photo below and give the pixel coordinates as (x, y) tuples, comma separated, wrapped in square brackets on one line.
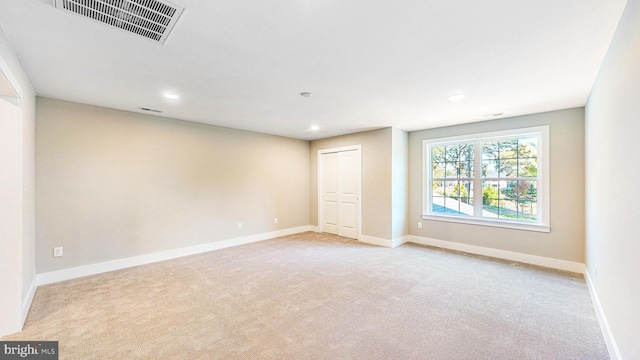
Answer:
[(28, 299), (400, 183), (609, 340)]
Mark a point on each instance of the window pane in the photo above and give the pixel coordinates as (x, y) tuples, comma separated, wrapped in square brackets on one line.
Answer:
[(461, 191), (454, 192), (509, 190), (466, 152), (519, 190), (452, 153), (508, 168), (466, 198), (490, 199), (490, 150), (528, 167), (528, 147), (516, 200), (489, 192), (527, 210), (438, 188), (528, 190), (444, 205), (438, 170), (489, 168), (452, 204), (451, 170), (450, 188), (466, 169), (437, 204), (437, 154), (508, 209), (508, 149), (467, 193)]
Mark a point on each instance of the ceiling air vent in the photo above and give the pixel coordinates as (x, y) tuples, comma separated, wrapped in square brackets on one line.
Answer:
[(152, 19), (150, 110)]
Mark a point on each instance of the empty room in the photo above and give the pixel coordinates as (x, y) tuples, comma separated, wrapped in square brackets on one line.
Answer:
[(319, 179)]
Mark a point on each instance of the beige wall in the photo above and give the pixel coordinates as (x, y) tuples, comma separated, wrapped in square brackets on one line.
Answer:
[(566, 239), (113, 184), (400, 183), (613, 227), (376, 178), (23, 239)]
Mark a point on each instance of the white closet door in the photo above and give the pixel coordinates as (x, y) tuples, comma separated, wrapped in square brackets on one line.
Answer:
[(348, 194), (330, 193), (341, 181)]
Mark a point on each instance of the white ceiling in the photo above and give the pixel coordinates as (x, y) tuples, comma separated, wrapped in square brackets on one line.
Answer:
[(368, 63)]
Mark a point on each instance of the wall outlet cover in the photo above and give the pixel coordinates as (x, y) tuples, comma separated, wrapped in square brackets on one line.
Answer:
[(57, 251)]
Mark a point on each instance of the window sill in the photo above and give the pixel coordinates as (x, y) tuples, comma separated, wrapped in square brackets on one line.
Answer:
[(487, 222)]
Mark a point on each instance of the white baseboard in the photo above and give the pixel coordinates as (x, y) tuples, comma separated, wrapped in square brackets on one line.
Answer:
[(375, 240), (314, 228), (92, 269), (383, 242), (26, 304), (501, 254), (614, 353), (399, 241)]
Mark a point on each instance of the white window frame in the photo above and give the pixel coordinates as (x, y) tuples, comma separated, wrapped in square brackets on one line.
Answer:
[(541, 224)]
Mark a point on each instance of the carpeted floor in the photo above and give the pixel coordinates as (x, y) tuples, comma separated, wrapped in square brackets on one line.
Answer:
[(319, 296)]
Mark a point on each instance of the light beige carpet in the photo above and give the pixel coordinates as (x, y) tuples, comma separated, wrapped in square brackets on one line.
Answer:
[(318, 296)]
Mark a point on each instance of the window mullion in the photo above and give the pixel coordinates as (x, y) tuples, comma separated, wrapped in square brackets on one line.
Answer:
[(477, 179)]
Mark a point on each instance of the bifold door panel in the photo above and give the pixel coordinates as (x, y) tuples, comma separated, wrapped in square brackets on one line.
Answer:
[(340, 193)]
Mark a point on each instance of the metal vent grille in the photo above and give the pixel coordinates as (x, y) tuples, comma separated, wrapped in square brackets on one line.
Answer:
[(150, 110), (152, 19)]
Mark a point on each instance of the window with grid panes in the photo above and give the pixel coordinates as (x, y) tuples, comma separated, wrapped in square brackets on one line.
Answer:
[(494, 178)]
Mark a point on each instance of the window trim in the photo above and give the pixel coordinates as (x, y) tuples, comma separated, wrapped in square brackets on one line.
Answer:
[(541, 225)]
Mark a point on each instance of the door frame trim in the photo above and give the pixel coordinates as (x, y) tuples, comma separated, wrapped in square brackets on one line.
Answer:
[(321, 152), (19, 305)]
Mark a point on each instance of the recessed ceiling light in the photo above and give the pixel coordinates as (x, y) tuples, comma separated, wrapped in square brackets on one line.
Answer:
[(171, 96), (315, 128), (456, 96), (306, 94)]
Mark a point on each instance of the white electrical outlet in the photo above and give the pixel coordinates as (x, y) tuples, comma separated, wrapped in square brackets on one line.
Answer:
[(239, 225), (419, 224), (275, 220), (57, 251)]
